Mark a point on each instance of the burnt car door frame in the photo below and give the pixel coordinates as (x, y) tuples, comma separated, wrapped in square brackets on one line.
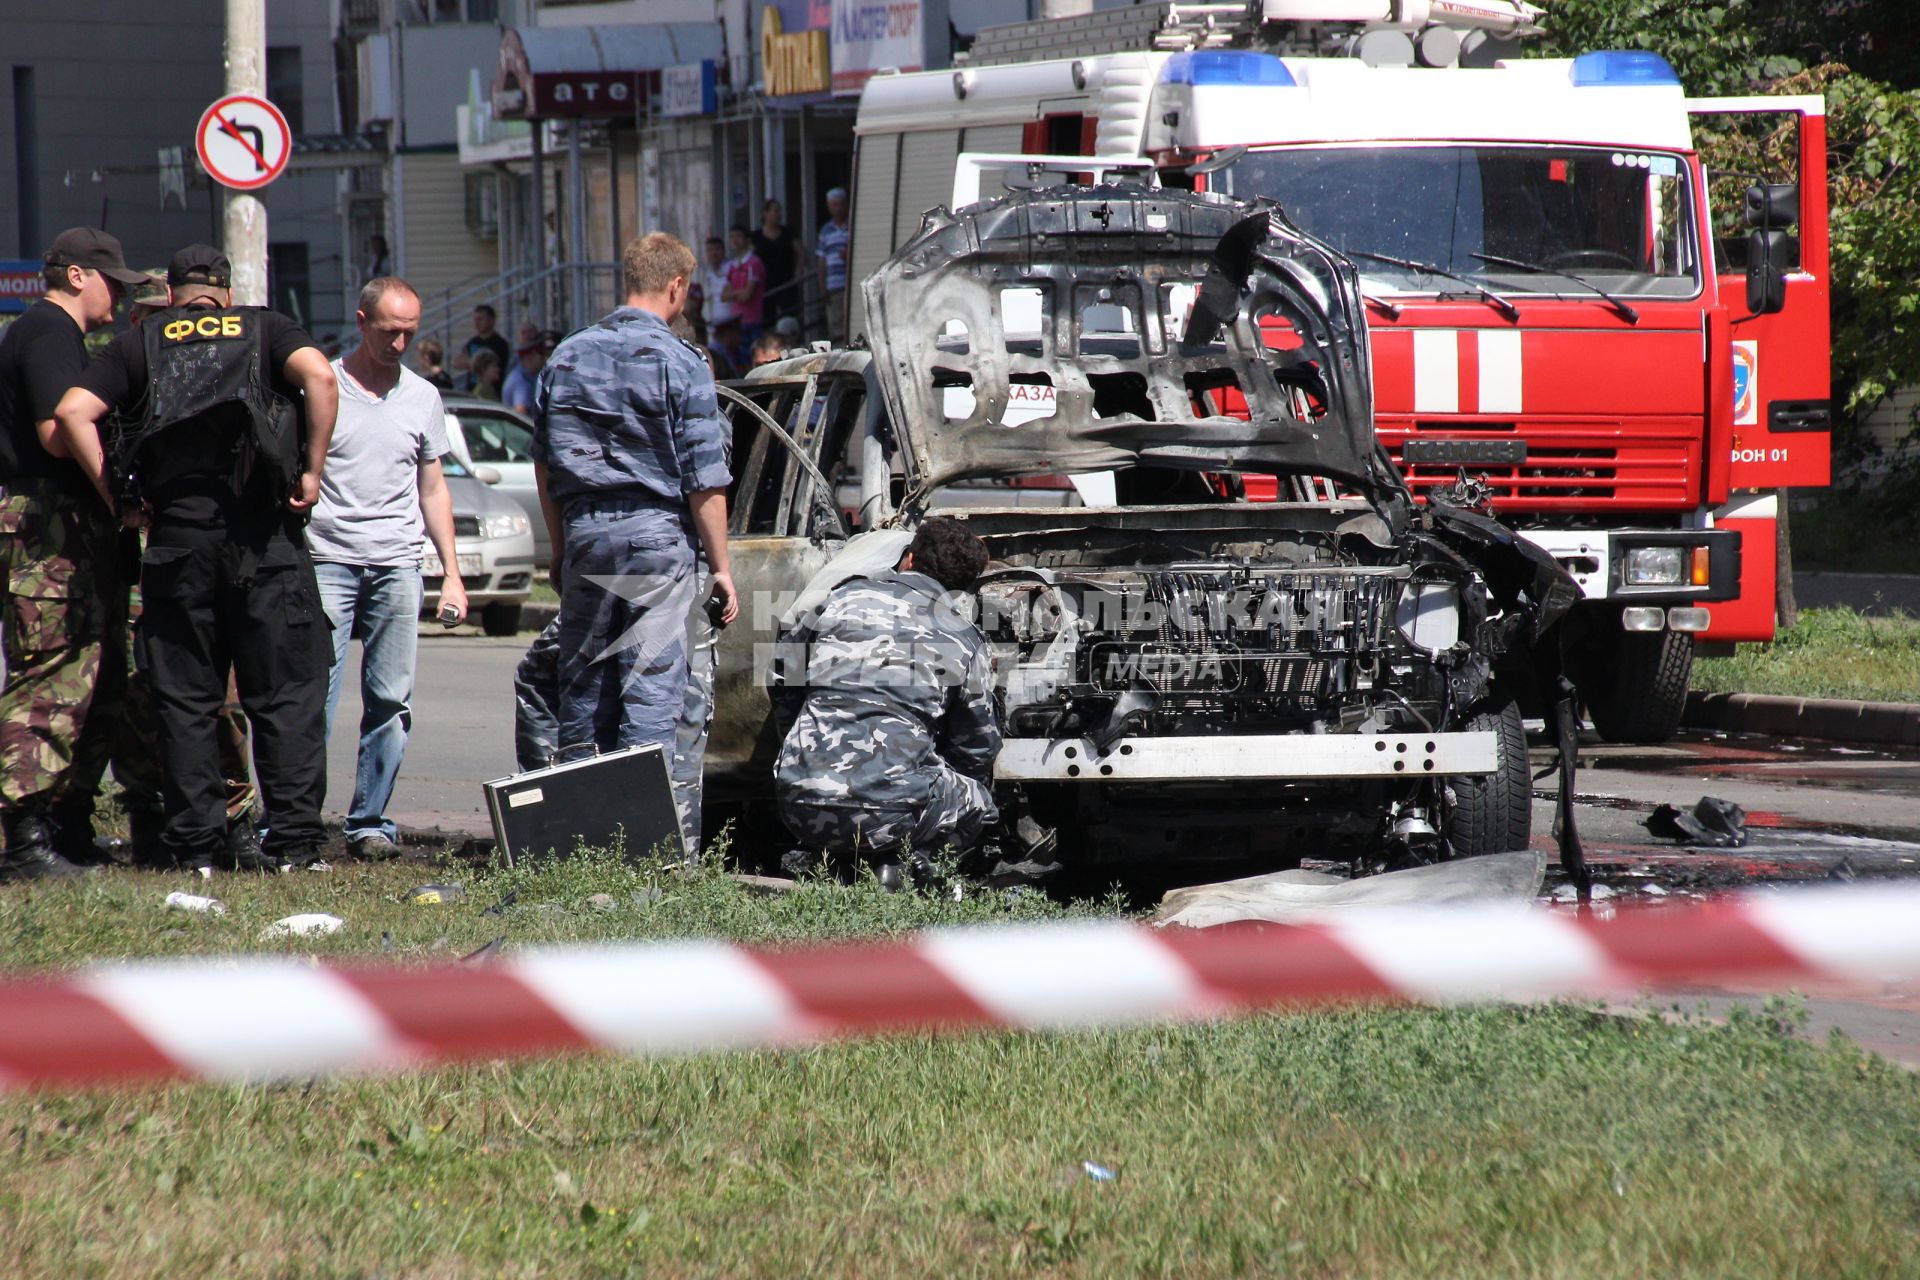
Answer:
[(781, 531)]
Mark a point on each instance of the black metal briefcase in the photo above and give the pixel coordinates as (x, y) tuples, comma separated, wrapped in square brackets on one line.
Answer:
[(624, 797)]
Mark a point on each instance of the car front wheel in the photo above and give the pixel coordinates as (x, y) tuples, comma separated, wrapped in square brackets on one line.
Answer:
[(1493, 812)]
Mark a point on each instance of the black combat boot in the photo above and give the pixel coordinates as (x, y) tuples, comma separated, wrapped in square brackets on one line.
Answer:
[(144, 826), (150, 853), (243, 851), (30, 854), (73, 838)]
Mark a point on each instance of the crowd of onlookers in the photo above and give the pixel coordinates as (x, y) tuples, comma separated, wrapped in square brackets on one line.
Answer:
[(747, 307), (748, 303)]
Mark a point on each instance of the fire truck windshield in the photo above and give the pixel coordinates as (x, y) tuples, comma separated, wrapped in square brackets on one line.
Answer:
[(1622, 220)]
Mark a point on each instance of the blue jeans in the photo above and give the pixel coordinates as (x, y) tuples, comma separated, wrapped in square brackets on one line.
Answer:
[(380, 607)]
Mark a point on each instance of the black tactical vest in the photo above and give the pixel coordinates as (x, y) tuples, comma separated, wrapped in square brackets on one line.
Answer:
[(210, 406)]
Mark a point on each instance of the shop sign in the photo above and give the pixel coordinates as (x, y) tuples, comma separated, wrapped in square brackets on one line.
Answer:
[(873, 35), (792, 62), (21, 283), (585, 93), (689, 89)]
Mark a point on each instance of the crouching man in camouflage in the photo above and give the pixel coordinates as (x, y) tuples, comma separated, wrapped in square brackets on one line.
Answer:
[(892, 750)]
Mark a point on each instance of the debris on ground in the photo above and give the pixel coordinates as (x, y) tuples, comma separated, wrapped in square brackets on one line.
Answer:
[(500, 908), (1099, 1172), (1712, 823), (1027, 871), (427, 895), (1292, 897), (194, 902), (483, 954), (602, 902), (308, 924), (763, 885)]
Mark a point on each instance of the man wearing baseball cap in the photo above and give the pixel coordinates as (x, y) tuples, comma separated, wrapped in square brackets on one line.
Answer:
[(213, 451), (61, 578)]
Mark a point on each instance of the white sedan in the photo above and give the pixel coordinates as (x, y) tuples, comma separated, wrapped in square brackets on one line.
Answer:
[(489, 438)]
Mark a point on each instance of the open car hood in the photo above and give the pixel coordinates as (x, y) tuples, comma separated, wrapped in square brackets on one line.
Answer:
[(1158, 317)]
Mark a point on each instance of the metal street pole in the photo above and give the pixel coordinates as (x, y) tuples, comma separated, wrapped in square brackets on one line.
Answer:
[(577, 228), (246, 216)]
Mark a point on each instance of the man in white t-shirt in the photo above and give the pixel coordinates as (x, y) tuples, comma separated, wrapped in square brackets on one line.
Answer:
[(381, 491), (715, 309)]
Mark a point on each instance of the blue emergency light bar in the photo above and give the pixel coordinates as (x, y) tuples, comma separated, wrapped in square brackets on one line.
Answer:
[(1226, 67), (1622, 67)]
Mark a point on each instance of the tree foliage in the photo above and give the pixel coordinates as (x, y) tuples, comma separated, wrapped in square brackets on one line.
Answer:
[(1865, 58)]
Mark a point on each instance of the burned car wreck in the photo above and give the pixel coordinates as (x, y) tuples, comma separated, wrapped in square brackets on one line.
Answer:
[(1328, 670)]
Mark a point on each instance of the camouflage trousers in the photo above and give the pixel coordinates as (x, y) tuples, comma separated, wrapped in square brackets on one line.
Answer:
[(956, 814), (696, 713), (66, 709), (536, 693), (536, 696)]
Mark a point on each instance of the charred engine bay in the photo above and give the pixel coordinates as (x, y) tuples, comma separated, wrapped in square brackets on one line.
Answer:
[(1223, 620)]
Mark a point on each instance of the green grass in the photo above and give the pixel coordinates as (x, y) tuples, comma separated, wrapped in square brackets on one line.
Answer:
[(1549, 1141), (1832, 653)]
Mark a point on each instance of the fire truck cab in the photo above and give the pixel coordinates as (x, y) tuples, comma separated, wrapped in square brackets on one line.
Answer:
[(1553, 318)]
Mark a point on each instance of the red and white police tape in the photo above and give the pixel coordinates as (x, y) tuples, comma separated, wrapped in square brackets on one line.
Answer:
[(265, 1018)]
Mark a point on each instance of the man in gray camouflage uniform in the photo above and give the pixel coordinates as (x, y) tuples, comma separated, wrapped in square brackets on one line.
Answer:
[(629, 448), (892, 749)]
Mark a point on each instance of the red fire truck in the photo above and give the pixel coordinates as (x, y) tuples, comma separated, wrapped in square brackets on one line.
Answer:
[(1551, 311)]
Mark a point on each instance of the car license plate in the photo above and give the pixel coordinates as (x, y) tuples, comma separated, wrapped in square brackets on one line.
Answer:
[(430, 566)]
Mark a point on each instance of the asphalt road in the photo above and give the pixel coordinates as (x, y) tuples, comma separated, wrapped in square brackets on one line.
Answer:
[(1815, 812), (462, 732), (1815, 800)]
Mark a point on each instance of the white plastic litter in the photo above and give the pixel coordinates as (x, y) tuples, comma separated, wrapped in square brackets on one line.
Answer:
[(311, 924), (194, 902), (1293, 897)]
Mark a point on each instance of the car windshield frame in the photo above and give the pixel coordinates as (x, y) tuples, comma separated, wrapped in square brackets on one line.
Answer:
[(1406, 173), (450, 461), (1226, 297)]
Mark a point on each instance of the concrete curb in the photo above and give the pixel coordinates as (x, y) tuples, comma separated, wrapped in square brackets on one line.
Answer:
[(1834, 719), (535, 615)]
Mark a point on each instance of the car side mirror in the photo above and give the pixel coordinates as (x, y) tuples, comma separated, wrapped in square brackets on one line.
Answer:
[(1767, 256), (1773, 205), (491, 475)]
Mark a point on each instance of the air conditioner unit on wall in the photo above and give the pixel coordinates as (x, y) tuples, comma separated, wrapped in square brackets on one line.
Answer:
[(375, 55), (483, 205)]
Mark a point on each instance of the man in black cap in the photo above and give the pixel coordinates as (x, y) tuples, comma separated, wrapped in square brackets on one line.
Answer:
[(61, 577), (210, 446)]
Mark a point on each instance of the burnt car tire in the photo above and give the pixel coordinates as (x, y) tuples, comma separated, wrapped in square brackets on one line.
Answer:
[(1640, 695), (1493, 812), (500, 619)]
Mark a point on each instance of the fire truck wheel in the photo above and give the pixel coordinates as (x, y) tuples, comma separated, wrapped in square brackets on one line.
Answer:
[(1493, 812), (1640, 694)]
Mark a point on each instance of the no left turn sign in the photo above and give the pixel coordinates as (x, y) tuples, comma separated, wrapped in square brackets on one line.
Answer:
[(243, 141)]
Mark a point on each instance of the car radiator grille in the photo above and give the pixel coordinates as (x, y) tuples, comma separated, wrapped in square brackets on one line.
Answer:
[(1268, 636)]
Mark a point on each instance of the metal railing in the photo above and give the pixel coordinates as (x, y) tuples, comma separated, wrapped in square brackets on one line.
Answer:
[(570, 295), (564, 296)]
